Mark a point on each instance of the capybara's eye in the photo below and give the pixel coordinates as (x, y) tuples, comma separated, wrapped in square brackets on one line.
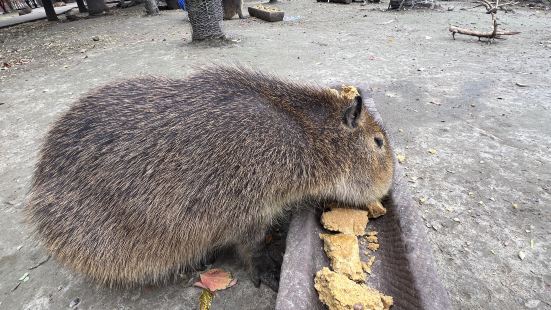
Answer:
[(380, 142)]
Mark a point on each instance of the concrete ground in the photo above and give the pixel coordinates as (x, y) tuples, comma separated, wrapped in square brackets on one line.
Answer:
[(482, 109)]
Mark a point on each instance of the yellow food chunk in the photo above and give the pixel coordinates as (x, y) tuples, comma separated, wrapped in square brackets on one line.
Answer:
[(348, 221), (373, 246), (376, 209), (340, 293), (344, 253), (366, 266)]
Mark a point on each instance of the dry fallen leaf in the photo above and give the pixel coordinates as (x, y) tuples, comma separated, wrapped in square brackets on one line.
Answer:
[(205, 300), (216, 279)]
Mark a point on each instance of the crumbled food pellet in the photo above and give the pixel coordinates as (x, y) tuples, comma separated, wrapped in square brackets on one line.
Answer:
[(348, 221), (343, 251), (340, 293), (376, 209), (401, 158), (366, 266), (334, 92), (266, 8), (388, 301), (349, 92), (372, 239), (373, 246)]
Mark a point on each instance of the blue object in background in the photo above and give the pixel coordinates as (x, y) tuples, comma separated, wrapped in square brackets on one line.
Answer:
[(182, 4)]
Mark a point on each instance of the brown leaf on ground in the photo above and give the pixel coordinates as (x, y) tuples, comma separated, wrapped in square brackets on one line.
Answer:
[(215, 280)]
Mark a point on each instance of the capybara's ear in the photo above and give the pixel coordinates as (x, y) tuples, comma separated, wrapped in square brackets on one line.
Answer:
[(353, 113)]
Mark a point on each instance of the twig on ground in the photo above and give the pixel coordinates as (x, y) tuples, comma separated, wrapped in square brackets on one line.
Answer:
[(40, 263), (491, 8)]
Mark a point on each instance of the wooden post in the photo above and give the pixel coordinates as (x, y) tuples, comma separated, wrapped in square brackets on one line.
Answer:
[(81, 7), (96, 7), (50, 12)]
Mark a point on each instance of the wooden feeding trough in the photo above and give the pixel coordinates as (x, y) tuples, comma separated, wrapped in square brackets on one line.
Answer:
[(269, 14), (404, 266)]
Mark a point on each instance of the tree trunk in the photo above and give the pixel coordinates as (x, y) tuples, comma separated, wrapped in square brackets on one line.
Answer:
[(50, 12), (81, 7), (151, 7), (205, 17), (96, 7)]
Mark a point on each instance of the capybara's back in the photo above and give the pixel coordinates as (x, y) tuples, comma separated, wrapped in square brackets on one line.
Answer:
[(150, 175)]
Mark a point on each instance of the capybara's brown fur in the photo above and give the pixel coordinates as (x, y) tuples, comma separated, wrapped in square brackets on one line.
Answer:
[(145, 177)]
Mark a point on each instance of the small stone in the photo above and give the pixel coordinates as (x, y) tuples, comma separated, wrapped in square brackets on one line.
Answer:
[(532, 303), (432, 151), (83, 50), (422, 200), (436, 226), (515, 206), (74, 302), (455, 219), (95, 38), (358, 307), (521, 255)]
